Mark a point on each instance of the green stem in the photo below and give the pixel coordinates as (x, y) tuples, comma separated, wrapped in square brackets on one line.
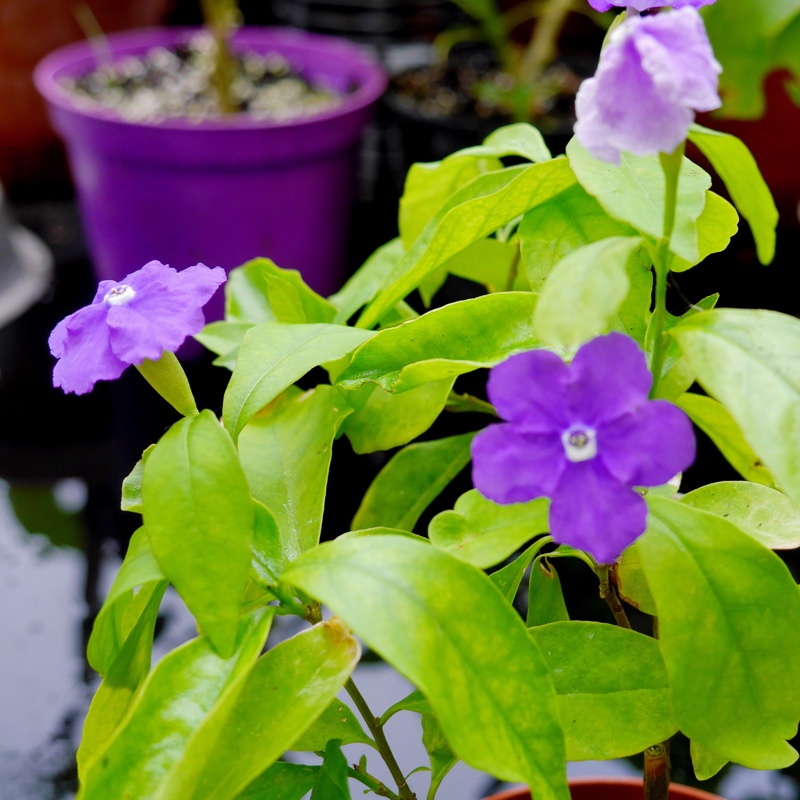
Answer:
[(671, 164), (373, 723), (220, 18), (167, 377), (371, 783), (543, 47), (609, 593)]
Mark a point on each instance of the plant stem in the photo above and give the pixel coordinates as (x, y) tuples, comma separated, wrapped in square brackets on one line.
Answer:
[(671, 164), (656, 772), (373, 723), (220, 18), (542, 49), (371, 782), (609, 593)]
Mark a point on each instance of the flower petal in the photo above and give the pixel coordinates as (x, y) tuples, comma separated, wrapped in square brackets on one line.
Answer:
[(81, 344), (648, 446), (509, 466), (529, 388), (592, 511), (608, 378)]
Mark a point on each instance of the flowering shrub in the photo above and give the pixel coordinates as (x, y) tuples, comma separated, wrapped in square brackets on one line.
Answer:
[(595, 383)]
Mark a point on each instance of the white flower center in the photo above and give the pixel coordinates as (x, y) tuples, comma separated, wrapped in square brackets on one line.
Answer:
[(580, 442), (120, 295)]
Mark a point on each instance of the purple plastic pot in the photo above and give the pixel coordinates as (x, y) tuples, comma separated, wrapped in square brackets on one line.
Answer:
[(219, 191)]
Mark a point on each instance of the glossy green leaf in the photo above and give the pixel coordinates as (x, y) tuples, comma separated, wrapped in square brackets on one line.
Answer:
[(391, 419), (367, 281), (224, 339), (116, 618), (612, 688), (446, 342), (716, 226), (286, 455), (567, 222), (246, 297), (174, 701), (633, 192), (267, 709), (269, 557), (629, 576), (729, 629), (441, 756), (337, 722), (413, 478), (545, 598), (747, 360), (736, 166), (717, 423), (585, 290), (415, 702), (282, 781), (706, 764), (116, 693), (132, 485), (470, 215), (199, 518), (509, 578), (275, 355), (518, 139), (484, 533), (491, 263), (485, 679), (766, 515), (291, 299), (331, 783)]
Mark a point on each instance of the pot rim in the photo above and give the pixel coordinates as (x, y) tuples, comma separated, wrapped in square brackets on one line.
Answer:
[(70, 59), (697, 794)]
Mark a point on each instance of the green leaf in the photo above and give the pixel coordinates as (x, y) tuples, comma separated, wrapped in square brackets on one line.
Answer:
[(390, 419), (331, 783), (411, 480), (486, 204), (567, 222), (337, 722), (766, 515), (116, 693), (509, 578), (612, 688), (272, 357), (175, 699), (246, 296), (706, 764), (519, 139), (634, 191), (489, 262), (286, 455), (545, 598), (415, 702), (267, 709), (484, 533), (269, 557), (441, 756), (224, 339), (715, 227), (290, 298), (282, 781), (736, 166), (475, 666), (585, 291), (199, 518), (367, 281), (717, 423), (747, 360), (446, 342), (729, 629), (132, 485), (114, 623), (628, 574)]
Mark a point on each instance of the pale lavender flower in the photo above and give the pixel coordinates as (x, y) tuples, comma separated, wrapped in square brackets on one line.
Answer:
[(646, 5), (148, 312), (583, 435), (653, 75)]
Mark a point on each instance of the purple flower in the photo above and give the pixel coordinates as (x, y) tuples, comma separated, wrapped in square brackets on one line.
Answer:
[(646, 5), (583, 435), (653, 75), (151, 310)]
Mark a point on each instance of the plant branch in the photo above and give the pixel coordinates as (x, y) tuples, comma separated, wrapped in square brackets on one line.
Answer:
[(656, 772), (609, 593), (543, 47), (373, 723), (371, 782), (221, 20)]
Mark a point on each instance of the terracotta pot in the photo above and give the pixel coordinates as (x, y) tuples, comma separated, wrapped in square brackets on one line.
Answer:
[(30, 29), (611, 789)]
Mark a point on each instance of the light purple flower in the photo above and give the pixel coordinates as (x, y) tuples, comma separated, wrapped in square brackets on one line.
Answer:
[(582, 435), (653, 75), (646, 5), (150, 311)]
